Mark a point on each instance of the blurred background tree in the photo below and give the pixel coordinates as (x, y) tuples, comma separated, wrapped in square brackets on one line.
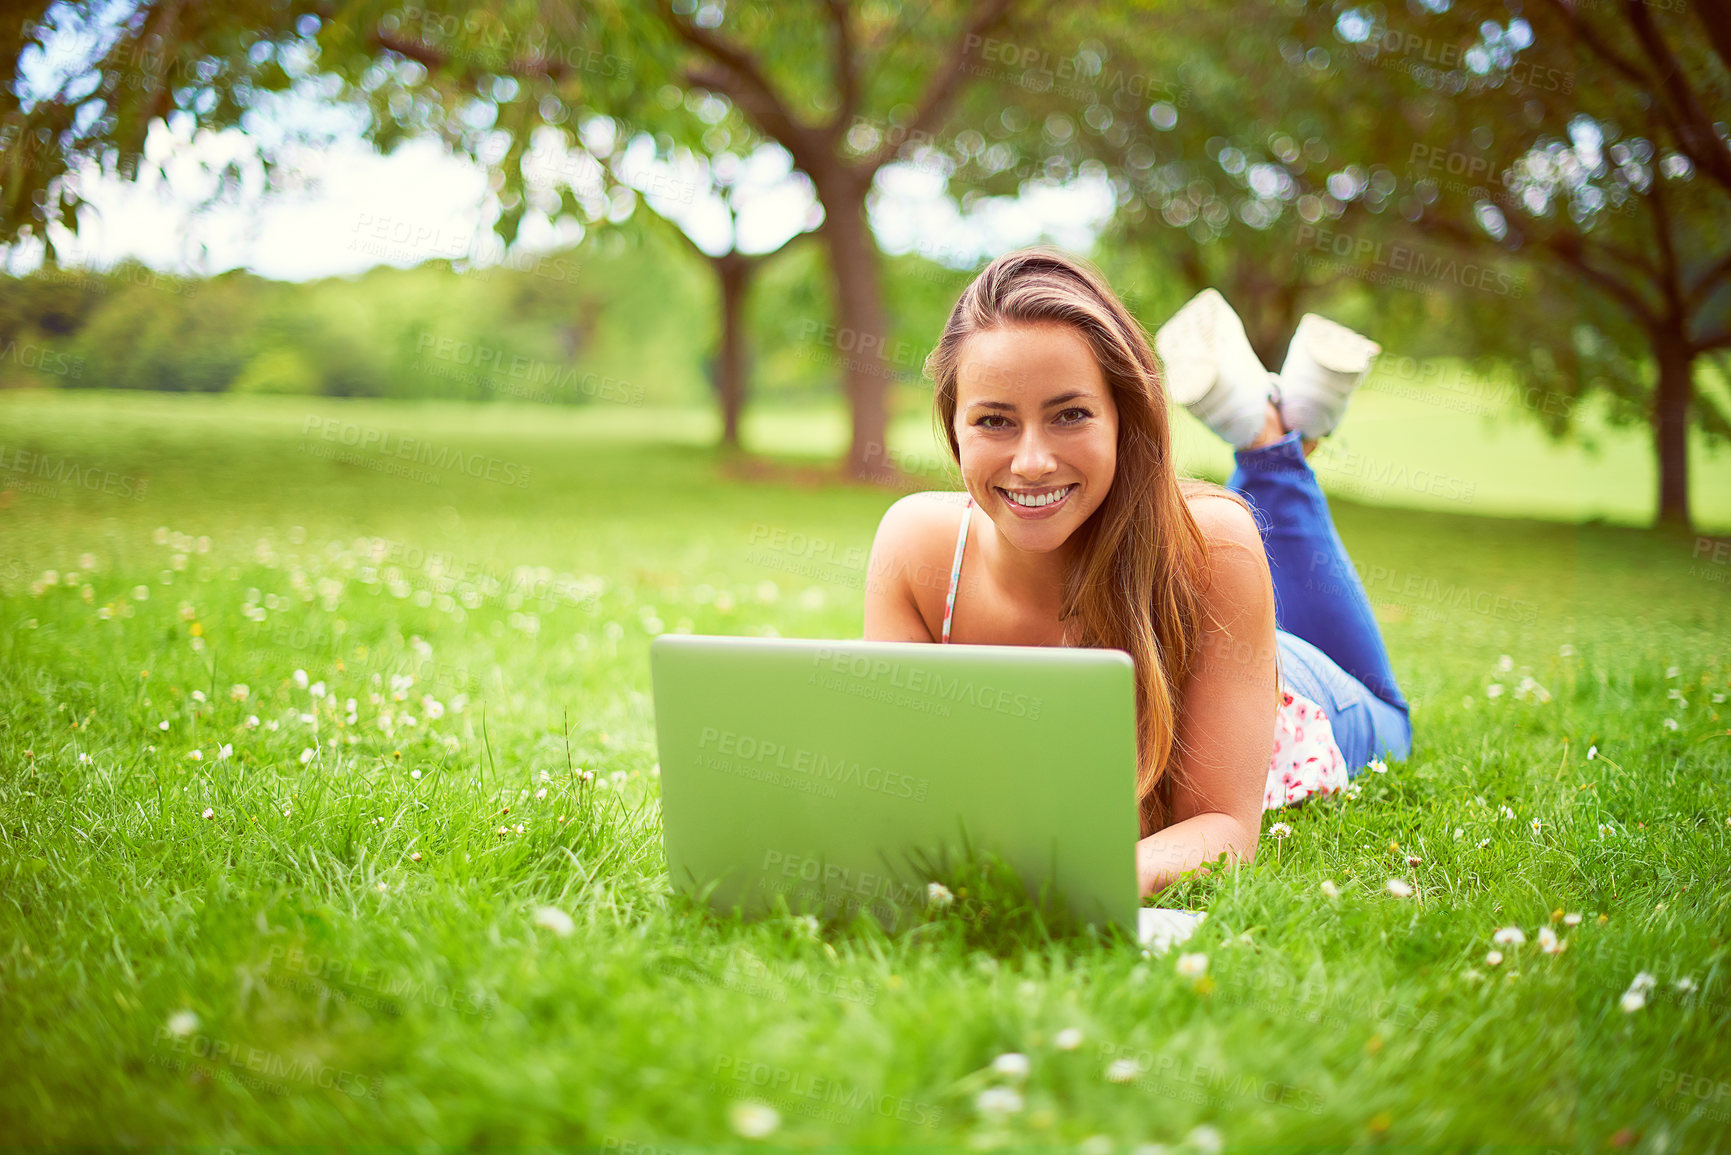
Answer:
[(1540, 187)]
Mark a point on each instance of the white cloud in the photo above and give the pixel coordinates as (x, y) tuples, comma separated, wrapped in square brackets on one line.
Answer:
[(344, 209)]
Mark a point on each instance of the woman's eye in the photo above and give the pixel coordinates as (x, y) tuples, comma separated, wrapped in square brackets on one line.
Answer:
[(1073, 415), (985, 422)]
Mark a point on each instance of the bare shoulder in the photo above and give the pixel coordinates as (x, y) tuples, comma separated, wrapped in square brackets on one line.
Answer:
[(909, 558), (917, 522), (1224, 520), (1237, 562)]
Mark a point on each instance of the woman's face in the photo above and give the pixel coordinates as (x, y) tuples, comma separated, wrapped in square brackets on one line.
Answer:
[(1037, 431)]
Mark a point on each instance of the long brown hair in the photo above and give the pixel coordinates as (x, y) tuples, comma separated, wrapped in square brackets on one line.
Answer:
[(1139, 581)]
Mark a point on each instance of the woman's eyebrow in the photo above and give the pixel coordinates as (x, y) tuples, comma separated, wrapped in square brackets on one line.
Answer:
[(1060, 399)]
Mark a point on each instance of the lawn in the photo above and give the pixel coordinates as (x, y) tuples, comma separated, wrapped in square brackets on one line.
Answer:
[(329, 815)]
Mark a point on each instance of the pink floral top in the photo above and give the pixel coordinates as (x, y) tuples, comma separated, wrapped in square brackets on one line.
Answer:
[(1306, 759)]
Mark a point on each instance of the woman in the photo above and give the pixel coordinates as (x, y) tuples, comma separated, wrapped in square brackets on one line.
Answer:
[(1261, 677)]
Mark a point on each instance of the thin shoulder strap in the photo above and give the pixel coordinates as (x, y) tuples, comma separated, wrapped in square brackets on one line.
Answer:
[(956, 566)]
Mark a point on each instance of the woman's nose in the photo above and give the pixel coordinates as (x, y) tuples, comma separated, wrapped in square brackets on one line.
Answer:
[(1034, 457)]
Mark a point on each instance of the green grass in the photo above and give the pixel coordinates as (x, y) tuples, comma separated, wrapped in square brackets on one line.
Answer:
[(287, 971)]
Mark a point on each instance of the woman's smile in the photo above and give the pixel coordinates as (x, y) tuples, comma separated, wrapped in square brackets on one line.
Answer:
[(1036, 504)]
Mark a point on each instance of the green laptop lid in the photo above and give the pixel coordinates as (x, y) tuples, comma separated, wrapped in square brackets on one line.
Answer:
[(831, 773)]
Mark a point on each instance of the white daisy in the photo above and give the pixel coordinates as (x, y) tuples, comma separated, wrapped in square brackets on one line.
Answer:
[(1205, 1139), (996, 1102), (1011, 1064), (1192, 966), (1509, 935), (550, 917), (753, 1120), (937, 894), (1067, 1039), (1399, 888), (1121, 1070)]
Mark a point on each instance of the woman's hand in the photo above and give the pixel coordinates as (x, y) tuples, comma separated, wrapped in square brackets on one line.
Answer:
[(1163, 858)]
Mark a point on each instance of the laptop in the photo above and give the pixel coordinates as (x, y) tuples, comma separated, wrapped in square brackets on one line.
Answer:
[(837, 776)]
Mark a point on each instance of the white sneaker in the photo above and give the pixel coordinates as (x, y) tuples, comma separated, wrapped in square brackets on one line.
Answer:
[(1211, 369), (1324, 364)]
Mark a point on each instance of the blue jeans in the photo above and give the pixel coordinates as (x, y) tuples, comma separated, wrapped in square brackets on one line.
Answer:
[(1330, 648)]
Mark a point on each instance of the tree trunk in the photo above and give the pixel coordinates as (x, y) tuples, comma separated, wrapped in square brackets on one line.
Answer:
[(733, 274), (860, 329), (1267, 309), (1671, 426)]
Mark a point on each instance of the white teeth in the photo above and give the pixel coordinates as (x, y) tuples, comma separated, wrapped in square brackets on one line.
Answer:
[(1040, 500)]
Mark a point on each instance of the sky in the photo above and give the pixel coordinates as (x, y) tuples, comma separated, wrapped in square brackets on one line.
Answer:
[(345, 209)]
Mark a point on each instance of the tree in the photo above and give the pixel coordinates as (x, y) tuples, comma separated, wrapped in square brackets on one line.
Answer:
[(1575, 136), (880, 78), (727, 188)]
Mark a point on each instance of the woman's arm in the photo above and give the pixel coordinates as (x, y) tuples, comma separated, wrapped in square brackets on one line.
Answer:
[(1225, 732)]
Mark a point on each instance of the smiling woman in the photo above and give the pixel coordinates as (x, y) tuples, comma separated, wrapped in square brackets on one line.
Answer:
[(1055, 408)]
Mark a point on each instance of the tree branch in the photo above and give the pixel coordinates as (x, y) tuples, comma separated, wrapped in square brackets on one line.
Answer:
[(1570, 251), (845, 69), (736, 73), (539, 67), (945, 84), (1704, 284), (1670, 283), (1694, 129)]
